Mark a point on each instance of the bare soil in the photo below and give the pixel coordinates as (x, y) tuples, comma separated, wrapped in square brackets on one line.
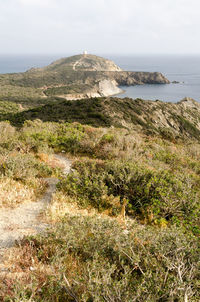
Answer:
[(26, 218)]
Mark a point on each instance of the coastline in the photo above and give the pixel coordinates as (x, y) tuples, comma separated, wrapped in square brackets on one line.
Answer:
[(120, 93)]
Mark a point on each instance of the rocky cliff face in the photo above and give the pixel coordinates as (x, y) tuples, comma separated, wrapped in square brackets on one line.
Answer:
[(127, 78), (103, 88), (180, 119)]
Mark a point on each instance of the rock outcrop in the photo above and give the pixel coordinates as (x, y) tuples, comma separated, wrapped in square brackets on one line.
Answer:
[(130, 78)]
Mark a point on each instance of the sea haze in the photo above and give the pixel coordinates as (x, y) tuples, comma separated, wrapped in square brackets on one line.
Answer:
[(12, 64), (185, 69)]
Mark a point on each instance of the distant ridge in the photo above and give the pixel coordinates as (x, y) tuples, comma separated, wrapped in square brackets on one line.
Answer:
[(85, 62), (171, 120)]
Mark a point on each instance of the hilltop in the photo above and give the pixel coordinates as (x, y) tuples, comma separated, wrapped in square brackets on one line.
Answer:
[(81, 62), (74, 77)]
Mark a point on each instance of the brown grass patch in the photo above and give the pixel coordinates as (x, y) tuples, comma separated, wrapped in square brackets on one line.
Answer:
[(13, 193)]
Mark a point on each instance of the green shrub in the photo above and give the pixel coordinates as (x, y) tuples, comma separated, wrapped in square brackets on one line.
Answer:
[(8, 133), (167, 134), (93, 259), (150, 194), (87, 185), (23, 166), (107, 138)]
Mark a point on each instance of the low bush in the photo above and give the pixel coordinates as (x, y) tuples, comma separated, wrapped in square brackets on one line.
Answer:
[(40, 136), (93, 259), (8, 134), (151, 194), (23, 166)]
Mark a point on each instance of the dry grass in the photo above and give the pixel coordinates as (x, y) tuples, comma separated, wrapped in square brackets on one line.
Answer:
[(62, 204), (50, 160), (13, 193)]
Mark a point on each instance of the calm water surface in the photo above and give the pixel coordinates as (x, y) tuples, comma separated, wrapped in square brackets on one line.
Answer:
[(185, 69)]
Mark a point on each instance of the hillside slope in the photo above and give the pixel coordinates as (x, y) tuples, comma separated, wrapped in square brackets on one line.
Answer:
[(180, 119), (124, 223), (81, 62)]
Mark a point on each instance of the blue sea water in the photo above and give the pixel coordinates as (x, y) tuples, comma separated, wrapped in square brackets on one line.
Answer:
[(21, 63), (185, 69)]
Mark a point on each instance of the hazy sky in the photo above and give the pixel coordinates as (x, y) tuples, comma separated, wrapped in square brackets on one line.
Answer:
[(99, 26)]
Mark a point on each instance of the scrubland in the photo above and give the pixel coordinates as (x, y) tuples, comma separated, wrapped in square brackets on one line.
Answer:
[(124, 224)]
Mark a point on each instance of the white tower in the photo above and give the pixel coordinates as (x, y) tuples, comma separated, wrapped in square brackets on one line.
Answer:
[(85, 52)]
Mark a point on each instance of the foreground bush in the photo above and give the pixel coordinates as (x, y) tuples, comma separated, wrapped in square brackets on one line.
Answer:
[(22, 177), (22, 166), (156, 182), (94, 259), (156, 196)]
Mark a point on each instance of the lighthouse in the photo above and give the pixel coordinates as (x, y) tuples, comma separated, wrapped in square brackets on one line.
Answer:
[(85, 52)]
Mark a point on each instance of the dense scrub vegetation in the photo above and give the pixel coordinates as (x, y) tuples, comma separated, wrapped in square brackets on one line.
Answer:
[(159, 197), (142, 243), (67, 89), (96, 259), (8, 107), (92, 113), (21, 172), (170, 121)]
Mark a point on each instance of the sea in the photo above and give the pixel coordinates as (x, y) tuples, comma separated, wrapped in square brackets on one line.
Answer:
[(183, 69)]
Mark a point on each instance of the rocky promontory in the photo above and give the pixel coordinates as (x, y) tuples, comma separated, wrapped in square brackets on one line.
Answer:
[(79, 77)]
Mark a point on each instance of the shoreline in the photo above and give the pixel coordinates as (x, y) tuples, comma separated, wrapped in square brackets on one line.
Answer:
[(122, 92), (152, 92)]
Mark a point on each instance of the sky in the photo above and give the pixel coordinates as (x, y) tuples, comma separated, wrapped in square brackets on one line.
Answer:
[(123, 27)]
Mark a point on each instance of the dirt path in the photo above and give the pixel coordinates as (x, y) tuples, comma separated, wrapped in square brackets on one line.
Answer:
[(25, 219), (77, 63)]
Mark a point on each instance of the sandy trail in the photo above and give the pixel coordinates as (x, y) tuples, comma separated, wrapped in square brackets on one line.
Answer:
[(77, 63), (25, 219)]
